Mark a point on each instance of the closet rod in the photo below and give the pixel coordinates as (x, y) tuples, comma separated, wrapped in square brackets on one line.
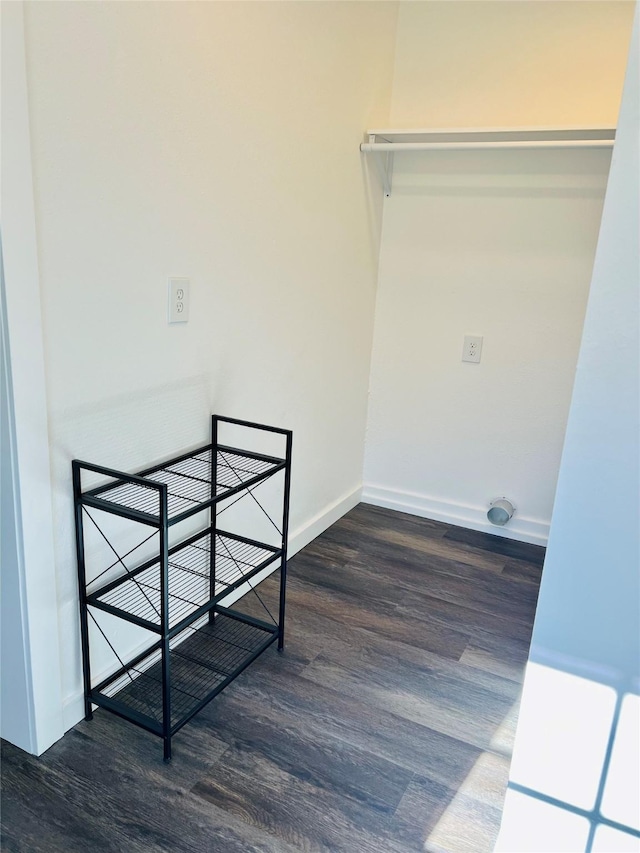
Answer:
[(391, 147)]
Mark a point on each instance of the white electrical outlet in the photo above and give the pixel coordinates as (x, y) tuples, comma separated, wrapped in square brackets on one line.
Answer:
[(472, 349), (178, 300)]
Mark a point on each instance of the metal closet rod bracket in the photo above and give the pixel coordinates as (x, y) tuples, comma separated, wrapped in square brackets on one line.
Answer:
[(385, 143)]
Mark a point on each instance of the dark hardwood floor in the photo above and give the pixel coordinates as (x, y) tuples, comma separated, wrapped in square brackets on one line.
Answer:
[(386, 725)]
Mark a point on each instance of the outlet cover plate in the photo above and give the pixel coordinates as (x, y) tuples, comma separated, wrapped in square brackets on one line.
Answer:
[(178, 309), (472, 349)]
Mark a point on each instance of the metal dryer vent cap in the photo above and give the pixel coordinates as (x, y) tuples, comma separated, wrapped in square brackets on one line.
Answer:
[(500, 511)]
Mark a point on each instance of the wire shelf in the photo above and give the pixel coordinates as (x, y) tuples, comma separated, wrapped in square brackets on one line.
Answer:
[(175, 593), (188, 480), (202, 663), (137, 596)]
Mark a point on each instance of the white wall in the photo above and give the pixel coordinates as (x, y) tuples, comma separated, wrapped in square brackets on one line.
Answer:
[(587, 631), (498, 244), (478, 63), (214, 141)]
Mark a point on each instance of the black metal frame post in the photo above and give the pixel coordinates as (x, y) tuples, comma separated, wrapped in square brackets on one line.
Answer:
[(82, 590), (285, 537), (214, 512), (164, 621)]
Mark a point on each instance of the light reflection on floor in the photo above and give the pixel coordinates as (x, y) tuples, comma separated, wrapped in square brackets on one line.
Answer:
[(469, 823), (575, 776), (574, 780)]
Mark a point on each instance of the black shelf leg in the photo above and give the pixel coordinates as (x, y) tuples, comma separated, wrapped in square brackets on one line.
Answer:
[(285, 537), (164, 618), (214, 513), (82, 590)]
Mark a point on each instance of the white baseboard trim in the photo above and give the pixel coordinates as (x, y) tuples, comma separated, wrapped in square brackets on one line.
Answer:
[(308, 531), (73, 705), (530, 530), (72, 710)]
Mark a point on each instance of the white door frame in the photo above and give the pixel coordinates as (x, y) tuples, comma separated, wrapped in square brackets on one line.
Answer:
[(29, 566)]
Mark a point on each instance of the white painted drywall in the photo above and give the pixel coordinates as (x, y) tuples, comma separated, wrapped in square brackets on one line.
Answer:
[(491, 243), (214, 141), (588, 617), (487, 63), (30, 678)]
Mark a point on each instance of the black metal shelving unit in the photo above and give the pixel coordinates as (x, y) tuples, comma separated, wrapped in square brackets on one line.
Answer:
[(200, 645)]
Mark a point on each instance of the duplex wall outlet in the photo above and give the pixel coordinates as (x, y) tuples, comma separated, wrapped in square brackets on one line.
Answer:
[(472, 349), (178, 300)]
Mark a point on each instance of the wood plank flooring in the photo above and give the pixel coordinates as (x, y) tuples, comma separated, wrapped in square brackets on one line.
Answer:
[(386, 726)]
